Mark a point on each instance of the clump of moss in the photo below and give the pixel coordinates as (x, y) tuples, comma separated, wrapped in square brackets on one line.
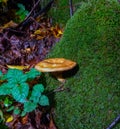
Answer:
[(92, 39), (60, 11)]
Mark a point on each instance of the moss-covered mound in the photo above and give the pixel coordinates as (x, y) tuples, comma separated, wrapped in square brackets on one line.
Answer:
[(92, 39)]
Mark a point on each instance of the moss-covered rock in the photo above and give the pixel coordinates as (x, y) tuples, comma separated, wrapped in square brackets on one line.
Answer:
[(92, 39)]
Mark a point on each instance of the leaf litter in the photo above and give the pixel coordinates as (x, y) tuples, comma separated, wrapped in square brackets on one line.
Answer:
[(26, 46), (29, 46), (39, 119)]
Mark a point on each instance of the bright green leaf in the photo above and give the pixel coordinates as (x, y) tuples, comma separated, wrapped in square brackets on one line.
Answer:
[(36, 92), (20, 92), (33, 73), (7, 102), (1, 73), (29, 106), (16, 111), (22, 12), (15, 76), (44, 101), (5, 89), (21, 6), (34, 99), (23, 113), (10, 109), (19, 12), (38, 88), (26, 12)]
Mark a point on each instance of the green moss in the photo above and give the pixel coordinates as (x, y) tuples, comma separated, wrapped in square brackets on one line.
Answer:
[(60, 11), (92, 39)]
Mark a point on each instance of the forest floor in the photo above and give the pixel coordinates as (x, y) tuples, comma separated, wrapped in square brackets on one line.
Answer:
[(26, 44)]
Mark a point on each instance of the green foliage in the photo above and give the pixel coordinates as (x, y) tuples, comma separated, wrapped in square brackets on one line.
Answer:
[(15, 76), (15, 87), (37, 97), (29, 106), (16, 111), (20, 92), (7, 102), (36, 92), (22, 12), (43, 100), (0, 73), (91, 38), (32, 74)]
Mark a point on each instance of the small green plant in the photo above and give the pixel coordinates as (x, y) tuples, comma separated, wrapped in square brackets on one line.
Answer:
[(16, 94), (22, 12)]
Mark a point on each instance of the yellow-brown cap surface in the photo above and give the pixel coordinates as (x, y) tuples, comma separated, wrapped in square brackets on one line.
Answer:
[(55, 64)]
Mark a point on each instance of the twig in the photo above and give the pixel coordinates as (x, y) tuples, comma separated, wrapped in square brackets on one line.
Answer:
[(42, 11), (36, 4), (116, 121), (45, 9), (15, 31), (71, 8), (29, 15), (59, 89)]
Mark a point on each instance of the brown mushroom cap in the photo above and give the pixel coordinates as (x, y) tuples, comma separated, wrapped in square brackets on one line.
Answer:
[(55, 65)]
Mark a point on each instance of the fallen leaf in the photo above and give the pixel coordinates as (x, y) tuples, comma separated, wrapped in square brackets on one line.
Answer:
[(57, 31), (17, 67), (24, 119), (9, 119), (52, 125), (8, 25)]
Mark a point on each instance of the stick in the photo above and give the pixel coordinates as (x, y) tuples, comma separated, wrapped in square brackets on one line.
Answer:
[(116, 121), (45, 9), (71, 8), (36, 4), (41, 12)]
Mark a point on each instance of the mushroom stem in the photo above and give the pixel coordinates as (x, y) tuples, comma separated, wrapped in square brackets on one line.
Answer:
[(59, 76)]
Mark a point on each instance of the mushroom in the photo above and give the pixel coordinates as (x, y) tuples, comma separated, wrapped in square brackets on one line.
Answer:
[(55, 66)]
